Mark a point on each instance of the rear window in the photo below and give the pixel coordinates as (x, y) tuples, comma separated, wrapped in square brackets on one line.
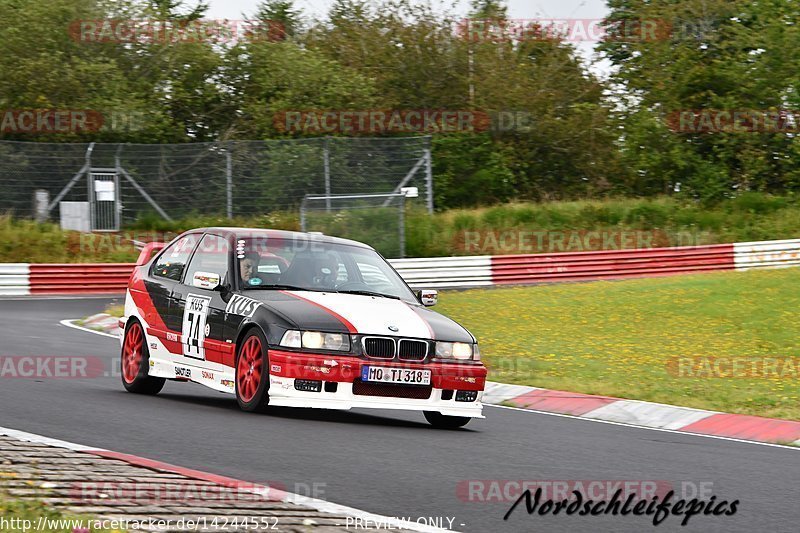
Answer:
[(172, 262)]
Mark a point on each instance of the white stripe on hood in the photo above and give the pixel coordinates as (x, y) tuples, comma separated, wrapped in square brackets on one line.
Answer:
[(372, 315)]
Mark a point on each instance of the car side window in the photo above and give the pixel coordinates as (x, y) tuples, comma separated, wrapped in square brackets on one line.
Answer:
[(372, 275), (211, 257), (172, 262)]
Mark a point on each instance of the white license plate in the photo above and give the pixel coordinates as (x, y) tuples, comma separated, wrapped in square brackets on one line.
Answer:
[(406, 376)]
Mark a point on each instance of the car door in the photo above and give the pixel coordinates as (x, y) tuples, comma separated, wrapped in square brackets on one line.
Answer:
[(165, 275), (200, 305)]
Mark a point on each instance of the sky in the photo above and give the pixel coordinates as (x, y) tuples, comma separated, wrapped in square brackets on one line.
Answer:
[(518, 9)]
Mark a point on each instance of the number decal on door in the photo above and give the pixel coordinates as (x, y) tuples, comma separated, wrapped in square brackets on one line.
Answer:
[(194, 326)]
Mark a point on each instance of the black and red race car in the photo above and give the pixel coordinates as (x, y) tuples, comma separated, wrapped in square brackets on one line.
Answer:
[(295, 319)]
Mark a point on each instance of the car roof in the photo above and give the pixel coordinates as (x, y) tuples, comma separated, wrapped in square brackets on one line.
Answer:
[(278, 234)]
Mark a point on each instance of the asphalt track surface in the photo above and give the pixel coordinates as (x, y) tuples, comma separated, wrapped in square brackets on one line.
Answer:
[(386, 462)]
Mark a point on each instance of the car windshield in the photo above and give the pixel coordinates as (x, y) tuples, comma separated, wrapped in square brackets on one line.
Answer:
[(307, 263)]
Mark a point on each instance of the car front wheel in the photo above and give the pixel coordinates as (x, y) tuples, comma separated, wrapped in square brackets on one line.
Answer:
[(252, 372)]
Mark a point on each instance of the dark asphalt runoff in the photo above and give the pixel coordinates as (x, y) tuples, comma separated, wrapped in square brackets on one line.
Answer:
[(386, 462)]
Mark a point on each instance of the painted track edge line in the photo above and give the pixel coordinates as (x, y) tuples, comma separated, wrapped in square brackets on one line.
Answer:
[(69, 323), (40, 439), (634, 426), (296, 499)]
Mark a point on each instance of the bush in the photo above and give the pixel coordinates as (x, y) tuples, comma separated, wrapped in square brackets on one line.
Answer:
[(673, 222)]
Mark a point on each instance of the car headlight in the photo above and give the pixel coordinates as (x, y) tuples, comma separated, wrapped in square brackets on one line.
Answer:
[(461, 351), (316, 340)]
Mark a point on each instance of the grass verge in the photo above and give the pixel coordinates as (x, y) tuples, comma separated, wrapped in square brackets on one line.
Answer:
[(618, 338), (29, 515), (115, 310)]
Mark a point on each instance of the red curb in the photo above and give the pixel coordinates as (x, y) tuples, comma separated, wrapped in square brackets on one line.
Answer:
[(747, 427), (743, 427), (567, 403), (274, 495)]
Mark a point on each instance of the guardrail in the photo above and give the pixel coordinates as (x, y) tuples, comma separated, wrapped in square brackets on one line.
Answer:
[(431, 273), (749, 255), (101, 278), (14, 279), (458, 272), (616, 264)]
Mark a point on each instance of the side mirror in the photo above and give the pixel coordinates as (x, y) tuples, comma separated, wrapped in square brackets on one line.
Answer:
[(428, 297), (205, 280)]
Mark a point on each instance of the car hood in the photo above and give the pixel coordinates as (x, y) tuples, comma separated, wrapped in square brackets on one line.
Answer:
[(360, 314)]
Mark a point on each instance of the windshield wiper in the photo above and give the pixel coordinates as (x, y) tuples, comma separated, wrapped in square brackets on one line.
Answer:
[(371, 293), (283, 287)]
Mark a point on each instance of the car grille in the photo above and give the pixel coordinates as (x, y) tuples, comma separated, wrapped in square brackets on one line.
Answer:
[(390, 390), (382, 347), (388, 348), (413, 350)]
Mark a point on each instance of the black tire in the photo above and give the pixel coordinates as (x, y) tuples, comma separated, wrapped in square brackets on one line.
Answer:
[(135, 379), (440, 421), (252, 396)]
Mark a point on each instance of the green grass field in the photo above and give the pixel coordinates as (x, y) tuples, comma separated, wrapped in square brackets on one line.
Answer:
[(616, 338)]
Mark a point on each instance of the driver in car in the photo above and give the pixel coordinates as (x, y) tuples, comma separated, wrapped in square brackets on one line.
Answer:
[(327, 272), (248, 268)]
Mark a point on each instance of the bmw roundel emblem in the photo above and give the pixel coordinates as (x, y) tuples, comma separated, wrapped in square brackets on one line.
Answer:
[(394, 328)]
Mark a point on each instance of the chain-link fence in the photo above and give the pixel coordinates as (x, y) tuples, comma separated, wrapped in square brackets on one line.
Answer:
[(236, 178), (378, 219)]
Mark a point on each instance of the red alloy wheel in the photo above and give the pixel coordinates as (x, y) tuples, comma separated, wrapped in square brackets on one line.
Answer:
[(248, 374), (132, 353)]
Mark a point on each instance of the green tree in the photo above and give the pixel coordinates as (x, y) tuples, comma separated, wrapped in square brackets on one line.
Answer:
[(717, 55), (281, 17)]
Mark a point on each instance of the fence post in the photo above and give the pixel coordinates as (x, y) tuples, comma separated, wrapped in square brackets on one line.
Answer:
[(41, 199), (402, 226), (429, 179), (326, 160), (90, 187), (118, 187), (229, 181), (303, 214)]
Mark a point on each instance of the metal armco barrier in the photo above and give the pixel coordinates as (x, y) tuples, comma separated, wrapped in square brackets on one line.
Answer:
[(101, 278), (774, 254), (14, 279), (445, 271), (457, 272), (616, 264)]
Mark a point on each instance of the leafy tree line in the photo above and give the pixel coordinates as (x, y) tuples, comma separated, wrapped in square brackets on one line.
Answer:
[(583, 137)]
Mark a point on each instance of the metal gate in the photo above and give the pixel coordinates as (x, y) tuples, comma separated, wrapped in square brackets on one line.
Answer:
[(104, 201)]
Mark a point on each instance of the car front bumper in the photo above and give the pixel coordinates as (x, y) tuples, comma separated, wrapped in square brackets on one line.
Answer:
[(345, 372)]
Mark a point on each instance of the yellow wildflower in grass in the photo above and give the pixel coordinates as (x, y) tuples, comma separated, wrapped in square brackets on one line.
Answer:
[(615, 338)]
